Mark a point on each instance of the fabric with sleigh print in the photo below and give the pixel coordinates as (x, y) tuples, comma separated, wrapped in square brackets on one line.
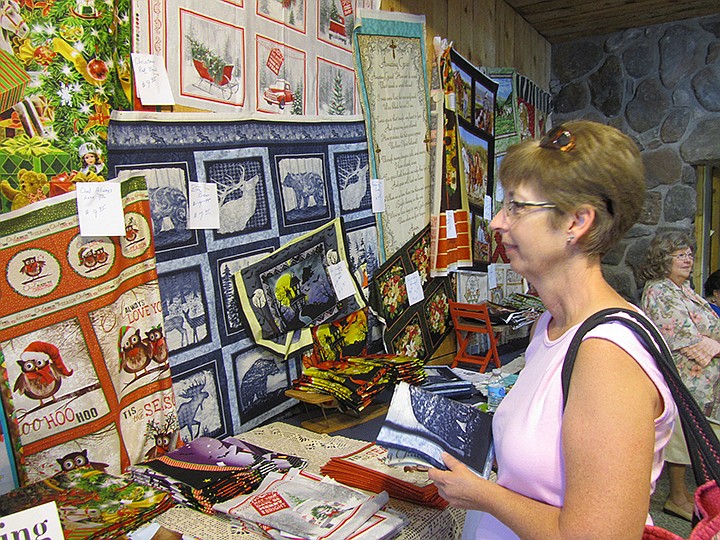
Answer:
[(85, 366)]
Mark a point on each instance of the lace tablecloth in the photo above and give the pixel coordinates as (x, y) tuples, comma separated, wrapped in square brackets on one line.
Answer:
[(424, 522)]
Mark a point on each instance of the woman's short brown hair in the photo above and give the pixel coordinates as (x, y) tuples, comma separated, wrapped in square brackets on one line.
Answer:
[(658, 258), (603, 169)]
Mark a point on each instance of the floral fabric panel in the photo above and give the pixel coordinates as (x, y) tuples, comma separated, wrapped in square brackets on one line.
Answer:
[(418, 329)]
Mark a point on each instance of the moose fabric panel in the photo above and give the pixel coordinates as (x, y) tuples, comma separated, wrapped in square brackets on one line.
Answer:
[(276, 181), (85, 365)]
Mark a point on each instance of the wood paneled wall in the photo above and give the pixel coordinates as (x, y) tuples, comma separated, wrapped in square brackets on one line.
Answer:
[(489, 33)]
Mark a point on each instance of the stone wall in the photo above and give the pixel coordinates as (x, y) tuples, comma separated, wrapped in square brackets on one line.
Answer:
[(660, 85)]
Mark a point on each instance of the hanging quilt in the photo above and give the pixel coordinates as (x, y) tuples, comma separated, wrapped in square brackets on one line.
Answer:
[(85, 371), (390, 63), (412, 329), (77, 54), (290, 291), (241, 56), (276, 180)]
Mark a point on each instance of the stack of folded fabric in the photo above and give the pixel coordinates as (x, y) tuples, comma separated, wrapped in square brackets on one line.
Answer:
[(92, 504), (367, 469), (444, 381), (356, 381), (402, 368), (305, 506), (207, 471)]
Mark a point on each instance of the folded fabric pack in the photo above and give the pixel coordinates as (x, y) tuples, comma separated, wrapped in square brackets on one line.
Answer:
[(92, 504), (207, 471)]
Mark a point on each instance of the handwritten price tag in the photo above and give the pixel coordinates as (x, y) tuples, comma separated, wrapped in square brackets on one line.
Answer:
[(414, 288), (341, 279), (450, 223), (151, 79), (100, 209), (377, 193), (203, 207)]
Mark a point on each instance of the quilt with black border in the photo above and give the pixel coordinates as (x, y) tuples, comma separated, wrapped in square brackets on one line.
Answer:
[(276, 181)]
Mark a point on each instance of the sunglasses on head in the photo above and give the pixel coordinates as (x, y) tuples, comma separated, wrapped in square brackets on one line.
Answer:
[(558, 138)]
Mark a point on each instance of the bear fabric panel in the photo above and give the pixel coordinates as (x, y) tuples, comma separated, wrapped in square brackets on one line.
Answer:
[(276, 180)]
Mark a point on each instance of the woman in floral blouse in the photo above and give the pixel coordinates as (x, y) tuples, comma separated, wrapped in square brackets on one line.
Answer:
[(692, 330)]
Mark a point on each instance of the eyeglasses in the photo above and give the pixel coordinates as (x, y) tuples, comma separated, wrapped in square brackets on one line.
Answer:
[(513, 208), (684, 256), (558, 138)]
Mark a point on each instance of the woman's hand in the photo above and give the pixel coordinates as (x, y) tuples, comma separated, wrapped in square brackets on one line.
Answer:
[(459, 486), (703, 351)]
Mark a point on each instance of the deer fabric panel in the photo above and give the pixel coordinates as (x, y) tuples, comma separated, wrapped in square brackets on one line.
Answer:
[(276, 181), (85, 366)]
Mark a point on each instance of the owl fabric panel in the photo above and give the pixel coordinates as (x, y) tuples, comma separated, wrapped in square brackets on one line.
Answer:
[(85, 366)]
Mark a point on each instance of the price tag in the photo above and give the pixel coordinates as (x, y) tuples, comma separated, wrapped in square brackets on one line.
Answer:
[(450, 224), (487, 209), (377, 192), (100, 209), (203, 207), (414, 288), (151, 79), (341, 280)]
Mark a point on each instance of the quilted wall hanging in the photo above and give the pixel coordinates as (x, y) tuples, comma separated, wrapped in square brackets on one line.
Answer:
[(391, 64), (412, 329), (280, 57), (79, 72), (276, 181), (290, 291), (85, 371)]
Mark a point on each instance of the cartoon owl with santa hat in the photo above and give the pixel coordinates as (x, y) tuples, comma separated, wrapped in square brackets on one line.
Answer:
[(42, 371)]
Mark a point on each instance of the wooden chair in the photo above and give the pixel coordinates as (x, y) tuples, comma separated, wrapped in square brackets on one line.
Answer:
[(470, 319)]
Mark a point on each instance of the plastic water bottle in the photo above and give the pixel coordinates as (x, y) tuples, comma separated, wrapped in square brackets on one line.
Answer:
[(496, 390)]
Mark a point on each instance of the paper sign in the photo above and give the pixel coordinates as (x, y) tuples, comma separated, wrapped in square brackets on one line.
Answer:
[(341, 280), (203, 207), (100, 209), (492, 276), (450, 224), (377, 192), (414, 288), (487, 209), (151, 79), (41, 521)]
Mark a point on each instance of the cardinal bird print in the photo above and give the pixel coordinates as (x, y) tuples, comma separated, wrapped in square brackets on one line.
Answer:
[(135, 353), (42, 371)]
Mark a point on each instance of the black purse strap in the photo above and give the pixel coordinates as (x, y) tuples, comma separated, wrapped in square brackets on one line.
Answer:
[(703, 445)]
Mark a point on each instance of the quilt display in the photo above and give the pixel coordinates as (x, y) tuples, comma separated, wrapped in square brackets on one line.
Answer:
[(85, 371), (276, 181), (390, 63), (290, 291), (522, 109), (279, 57), (79, 72), (418, 329)]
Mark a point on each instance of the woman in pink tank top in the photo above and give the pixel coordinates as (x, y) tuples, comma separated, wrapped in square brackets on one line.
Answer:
[(586, 470)]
